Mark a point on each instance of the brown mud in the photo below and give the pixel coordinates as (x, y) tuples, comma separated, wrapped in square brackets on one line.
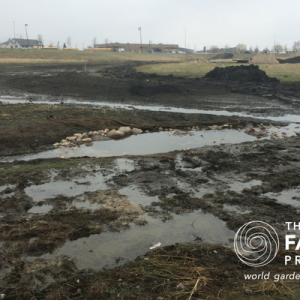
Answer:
[(214, 180)]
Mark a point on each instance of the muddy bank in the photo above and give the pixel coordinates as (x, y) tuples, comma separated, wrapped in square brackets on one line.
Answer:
[(121, 84), (26, 127), (94, 197)]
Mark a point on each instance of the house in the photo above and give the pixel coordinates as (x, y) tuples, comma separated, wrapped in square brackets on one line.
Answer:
[(21, 43)]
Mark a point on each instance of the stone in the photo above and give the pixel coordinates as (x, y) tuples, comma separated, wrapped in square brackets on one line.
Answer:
[(56, 144), (95, 132), (126, 130), (78, 134), (115, 134), (137, 131), (106, 130), (160, 129), (71, 138), (84, 135), (87, 140), (64, 141)]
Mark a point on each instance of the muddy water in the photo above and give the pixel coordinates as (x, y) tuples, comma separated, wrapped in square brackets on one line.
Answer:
[(68, 188), (220, 112), (291, 197), (98, 251), (143, 144)]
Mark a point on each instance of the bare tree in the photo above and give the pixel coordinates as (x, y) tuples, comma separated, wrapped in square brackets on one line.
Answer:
[(241, 48), (51, 44), (69, 43), (40, 40), (251, 49), (106, 41), (277, 48), (214, 49), (296, 46), (256, 50), (94, 41), (285, 48)]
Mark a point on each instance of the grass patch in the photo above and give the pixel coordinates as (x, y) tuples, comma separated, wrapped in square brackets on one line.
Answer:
[(284, 72), (11, 56)]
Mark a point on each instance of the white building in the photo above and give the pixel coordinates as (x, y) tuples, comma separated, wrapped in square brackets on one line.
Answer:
[(21, 43)]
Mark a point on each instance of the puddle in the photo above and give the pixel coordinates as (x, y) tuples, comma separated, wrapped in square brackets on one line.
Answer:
[(43, 209), (16, 100), (239, 186), (86, 205), (143, 144), (291, 197), (137, 197), (236, 209), (67, 188), (10, 186), (98, 251), (125, 165)]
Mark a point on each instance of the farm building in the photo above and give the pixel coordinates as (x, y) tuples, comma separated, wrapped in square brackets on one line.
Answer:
[(21, 43)]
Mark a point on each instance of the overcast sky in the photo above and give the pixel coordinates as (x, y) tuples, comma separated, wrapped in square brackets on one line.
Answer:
[(206, 23)]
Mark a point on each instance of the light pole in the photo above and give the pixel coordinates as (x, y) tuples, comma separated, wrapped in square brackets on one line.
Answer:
[(27, 36), (140, 29)]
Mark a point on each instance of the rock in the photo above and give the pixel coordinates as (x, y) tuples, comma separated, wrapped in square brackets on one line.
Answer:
[(66, 144), (56, 144), (87, 140), (71, 138), (137, 131), (78, 134), (84, 135), (90, 133), (249, 129), (298, 133), (160, 129), (64, 141), (115, 134), (95, 132), (248, 292), (106, 130), (62, 157), (126, 130)]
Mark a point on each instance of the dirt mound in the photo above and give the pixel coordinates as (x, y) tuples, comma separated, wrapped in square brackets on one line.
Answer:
[(293, 60), (240, 73), (223, 56)]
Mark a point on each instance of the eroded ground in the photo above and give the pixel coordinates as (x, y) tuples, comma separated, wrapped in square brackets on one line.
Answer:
[(63, 220)]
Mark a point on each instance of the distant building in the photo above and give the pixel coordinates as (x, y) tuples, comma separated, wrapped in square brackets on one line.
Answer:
[(21, 43), (119, 47)]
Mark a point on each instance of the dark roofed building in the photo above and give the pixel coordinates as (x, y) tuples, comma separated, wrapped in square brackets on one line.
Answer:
[(21, 43)]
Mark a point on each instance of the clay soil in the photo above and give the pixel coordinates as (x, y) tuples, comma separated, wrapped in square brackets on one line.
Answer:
[(195, 270)]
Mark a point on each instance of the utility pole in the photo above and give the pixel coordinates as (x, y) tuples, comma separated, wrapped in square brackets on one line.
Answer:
[(185, 38), (27, 36), (140, 29), (14, 30)]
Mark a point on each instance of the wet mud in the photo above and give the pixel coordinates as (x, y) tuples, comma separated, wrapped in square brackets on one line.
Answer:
[(82, 227)]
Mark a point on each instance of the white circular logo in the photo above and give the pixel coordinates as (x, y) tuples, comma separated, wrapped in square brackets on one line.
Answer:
[(256, 243)]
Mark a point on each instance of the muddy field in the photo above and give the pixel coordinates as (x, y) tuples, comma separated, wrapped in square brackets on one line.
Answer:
[(80, 225)]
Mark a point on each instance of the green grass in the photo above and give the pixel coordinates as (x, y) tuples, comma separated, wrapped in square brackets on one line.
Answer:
[(284, 72)]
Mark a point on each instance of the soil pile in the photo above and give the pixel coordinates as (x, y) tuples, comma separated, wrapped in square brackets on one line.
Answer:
[(293, 60), (240, 73), (223, 56)]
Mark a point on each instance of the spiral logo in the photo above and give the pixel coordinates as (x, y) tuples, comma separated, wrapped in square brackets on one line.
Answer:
[(256, 243)]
